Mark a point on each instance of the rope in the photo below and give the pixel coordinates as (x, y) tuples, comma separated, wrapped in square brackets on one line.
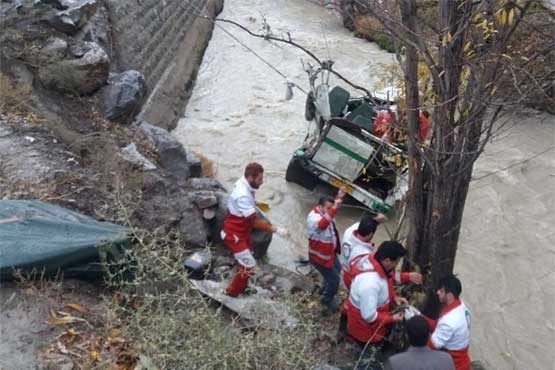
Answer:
[(249, 49), (260, 57), (366, 345)]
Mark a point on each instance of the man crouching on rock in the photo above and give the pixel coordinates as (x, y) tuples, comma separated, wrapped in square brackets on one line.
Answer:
[(239, 222)]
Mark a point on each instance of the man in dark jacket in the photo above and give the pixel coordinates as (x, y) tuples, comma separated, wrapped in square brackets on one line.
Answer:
[(418, 356)]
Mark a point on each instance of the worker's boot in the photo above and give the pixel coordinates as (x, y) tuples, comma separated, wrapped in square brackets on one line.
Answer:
[(239, 283), (332, 306)]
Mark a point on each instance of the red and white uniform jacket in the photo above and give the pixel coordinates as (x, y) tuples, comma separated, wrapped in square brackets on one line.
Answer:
[(370, 299), (451, 333), (323, 239), (352, 247), (240, 217)]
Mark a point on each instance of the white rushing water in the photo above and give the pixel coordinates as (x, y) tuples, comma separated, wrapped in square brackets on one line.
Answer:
[(238, 114)]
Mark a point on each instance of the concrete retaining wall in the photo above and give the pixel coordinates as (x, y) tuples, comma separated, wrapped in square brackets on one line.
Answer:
[(165, 41)]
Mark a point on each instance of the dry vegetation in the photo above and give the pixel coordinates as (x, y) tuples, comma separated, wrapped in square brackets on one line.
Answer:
[(371, 29), (176, 328), (14, 98), (208, 167), (157, 320)]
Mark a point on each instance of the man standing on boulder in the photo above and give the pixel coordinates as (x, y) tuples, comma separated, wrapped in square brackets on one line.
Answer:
[(239, 222), (323, 245)]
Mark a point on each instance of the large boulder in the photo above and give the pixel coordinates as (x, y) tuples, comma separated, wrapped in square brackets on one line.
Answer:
[(204, 198), (124, 94), (158, 213), (195, 164), (98, 29), (171, 154), (154, 183), (192, 225), (82, 75), (206, 183), (54, 49), (74, 16), (177, 212)]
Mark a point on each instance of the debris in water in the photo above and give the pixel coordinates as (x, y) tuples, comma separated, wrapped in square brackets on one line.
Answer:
[(289, 91)]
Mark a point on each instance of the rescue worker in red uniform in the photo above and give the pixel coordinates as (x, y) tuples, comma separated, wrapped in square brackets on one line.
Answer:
[(382, 124), (423, 125), (239, 221), (323, 245), (384, 120), (372, 297), (451, 331), (357, 240)]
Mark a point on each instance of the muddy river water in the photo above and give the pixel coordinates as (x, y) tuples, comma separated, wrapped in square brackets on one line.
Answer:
[(506, 259)]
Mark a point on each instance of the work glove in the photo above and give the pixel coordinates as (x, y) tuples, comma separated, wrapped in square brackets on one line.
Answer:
[(410, 312), (282, 231)]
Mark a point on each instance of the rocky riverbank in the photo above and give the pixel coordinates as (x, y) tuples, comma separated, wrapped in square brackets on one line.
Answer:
[(85, 108), (78, 128)]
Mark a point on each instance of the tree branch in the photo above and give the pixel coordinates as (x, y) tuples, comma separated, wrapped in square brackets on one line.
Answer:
[(323, 64)]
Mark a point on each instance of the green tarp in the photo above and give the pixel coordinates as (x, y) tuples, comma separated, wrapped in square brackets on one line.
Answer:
[(41, 237)]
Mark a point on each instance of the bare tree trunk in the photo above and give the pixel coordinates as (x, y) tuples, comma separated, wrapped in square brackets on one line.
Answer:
[(436, 197), (444, 222), (415, 197)]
